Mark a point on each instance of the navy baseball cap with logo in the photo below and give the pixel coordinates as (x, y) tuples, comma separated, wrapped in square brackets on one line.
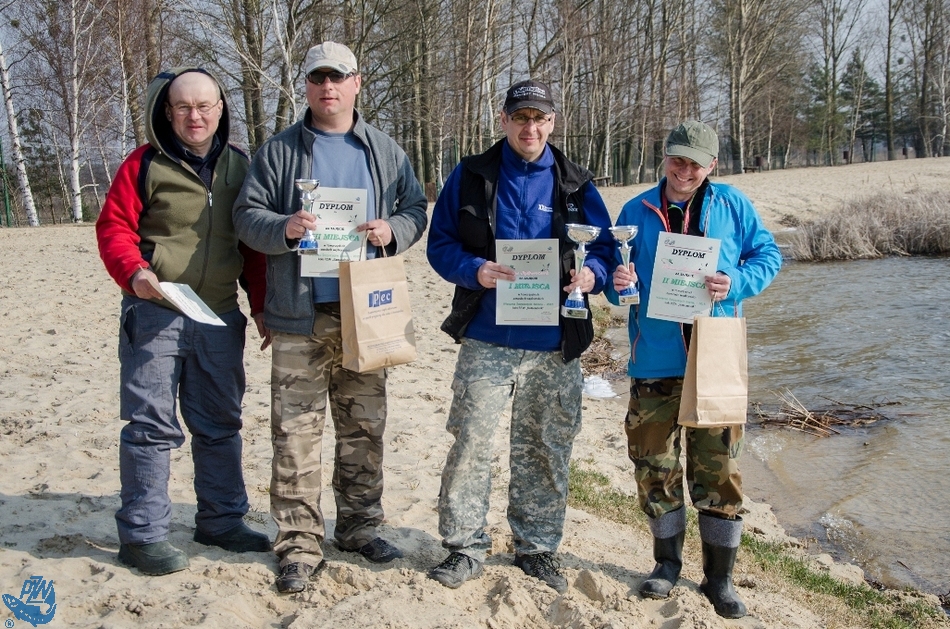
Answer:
[(529, 94)]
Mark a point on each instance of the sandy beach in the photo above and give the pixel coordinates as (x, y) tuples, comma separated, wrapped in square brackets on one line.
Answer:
[(59, 480)]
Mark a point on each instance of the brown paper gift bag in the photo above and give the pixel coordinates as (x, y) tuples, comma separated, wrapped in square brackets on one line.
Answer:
[(376, 318), (716, 386)]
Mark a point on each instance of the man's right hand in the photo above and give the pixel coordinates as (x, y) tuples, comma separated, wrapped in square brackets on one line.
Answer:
[(490, 272), (298, 224), (145, 284), (624, 277)]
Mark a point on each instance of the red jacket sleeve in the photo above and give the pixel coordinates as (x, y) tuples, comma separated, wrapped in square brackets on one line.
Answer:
[(118, 223), (255, 273)]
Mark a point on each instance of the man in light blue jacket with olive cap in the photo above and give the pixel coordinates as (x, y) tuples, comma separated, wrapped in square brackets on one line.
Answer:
[(686, 202)]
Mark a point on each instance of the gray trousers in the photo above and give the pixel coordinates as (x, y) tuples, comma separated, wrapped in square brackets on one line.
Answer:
[(166, 360), (545, 417)]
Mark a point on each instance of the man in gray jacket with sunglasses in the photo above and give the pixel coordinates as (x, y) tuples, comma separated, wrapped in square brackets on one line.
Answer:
[(335, 145)]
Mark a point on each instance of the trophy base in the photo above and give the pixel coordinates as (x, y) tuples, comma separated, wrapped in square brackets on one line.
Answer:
[(308, 248), (574, 313), (629, 300)]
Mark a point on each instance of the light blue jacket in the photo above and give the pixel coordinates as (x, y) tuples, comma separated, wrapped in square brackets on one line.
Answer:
[(748, 255)]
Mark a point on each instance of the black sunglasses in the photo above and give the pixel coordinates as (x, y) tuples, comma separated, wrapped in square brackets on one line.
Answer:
[(317, 77)]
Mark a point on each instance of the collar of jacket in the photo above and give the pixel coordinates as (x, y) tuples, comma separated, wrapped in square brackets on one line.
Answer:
[(655, 198), (306, 130), (568, 175)]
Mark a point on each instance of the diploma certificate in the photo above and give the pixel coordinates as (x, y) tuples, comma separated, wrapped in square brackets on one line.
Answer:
[(532, 299), (678, 290), (337, 211), (188, 302)]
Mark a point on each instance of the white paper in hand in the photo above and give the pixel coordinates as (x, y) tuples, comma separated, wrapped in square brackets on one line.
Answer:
[(186, 300)]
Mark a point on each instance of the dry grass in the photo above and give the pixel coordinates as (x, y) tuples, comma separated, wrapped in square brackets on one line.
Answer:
[(873, 227), (599, 358)]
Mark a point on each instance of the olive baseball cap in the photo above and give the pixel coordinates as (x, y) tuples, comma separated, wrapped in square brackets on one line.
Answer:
[(694, 140), (332, 56)]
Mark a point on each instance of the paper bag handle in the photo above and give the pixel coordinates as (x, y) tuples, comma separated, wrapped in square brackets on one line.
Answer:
[(365, 245), (712, 309)]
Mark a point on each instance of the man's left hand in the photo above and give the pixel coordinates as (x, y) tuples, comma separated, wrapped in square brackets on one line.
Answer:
[(585, 280), (380, 233), (264, 332), (718, 286)]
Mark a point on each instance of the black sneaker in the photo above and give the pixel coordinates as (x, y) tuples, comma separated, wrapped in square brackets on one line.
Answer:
[(545, 567), (456, 570), (294, 577), (240, 539), (377, 551), (153, 559)]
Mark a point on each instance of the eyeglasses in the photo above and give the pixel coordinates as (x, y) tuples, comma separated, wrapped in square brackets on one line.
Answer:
[(522, 119), (317, 77), (203, 109)]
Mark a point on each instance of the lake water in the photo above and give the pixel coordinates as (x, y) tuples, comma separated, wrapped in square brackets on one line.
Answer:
[(860, 332)]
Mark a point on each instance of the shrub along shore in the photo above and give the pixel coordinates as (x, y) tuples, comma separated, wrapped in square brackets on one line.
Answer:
[(885, 224)]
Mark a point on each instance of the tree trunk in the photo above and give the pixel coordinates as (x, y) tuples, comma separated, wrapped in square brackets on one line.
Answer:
[(72, 113), (893, 7), (29, 207)]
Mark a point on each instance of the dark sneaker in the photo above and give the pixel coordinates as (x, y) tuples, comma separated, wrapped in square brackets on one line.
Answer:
[(545, 567), (294, 577), (240, 539), (456, 570), (153, 559), (377, 551)]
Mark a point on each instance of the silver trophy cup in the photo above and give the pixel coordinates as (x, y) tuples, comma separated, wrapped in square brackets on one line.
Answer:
[(574, 307), (623, 234), (308, 194)]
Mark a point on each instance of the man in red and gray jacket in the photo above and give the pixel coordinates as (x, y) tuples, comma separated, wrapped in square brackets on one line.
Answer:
[(167, 218)]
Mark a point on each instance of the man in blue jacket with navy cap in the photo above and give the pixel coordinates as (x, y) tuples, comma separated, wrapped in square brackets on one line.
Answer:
[(521, 188)]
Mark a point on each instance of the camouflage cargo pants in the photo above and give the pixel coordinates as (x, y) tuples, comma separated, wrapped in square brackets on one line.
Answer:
[(306, 375), (654, 446), (545, 418)]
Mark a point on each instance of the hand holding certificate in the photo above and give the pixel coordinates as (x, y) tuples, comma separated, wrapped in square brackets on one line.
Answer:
[(188, 302), (532, 299), (678, 288), (338, 211)]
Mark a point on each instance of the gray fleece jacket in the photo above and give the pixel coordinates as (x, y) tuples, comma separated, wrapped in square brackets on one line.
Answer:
[(269, 198)]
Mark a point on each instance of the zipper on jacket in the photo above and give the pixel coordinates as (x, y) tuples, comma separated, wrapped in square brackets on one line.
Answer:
[(204, 267)]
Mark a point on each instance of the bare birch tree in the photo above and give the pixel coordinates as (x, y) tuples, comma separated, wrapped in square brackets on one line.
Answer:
[(746, 36), (23, 179), (837, 22), (67, 39), (893, 11)]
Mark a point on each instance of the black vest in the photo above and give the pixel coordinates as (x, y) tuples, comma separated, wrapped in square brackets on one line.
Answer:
[(477, 192)]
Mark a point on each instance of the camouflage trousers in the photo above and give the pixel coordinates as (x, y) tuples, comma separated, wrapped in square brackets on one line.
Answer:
[(654, 445), (545, 396), (306, 375)]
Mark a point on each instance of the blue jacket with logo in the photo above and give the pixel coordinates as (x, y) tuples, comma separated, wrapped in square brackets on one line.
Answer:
[(748, 255), (524, 203)]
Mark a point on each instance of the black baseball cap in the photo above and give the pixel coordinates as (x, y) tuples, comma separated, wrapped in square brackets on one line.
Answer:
[(529, 94)]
